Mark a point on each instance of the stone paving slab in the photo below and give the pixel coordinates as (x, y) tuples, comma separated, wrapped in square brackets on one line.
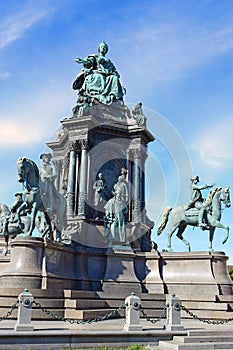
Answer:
[(55, 335)]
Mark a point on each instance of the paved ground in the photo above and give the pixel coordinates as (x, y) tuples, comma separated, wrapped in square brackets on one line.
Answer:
[(60, 335)]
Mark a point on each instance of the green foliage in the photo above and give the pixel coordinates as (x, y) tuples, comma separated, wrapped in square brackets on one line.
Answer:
[(230, 271)]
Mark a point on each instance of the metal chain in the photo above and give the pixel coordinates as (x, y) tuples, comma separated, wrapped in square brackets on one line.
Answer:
[(8, 314), (202, 319), (73, 321), (155, 320)]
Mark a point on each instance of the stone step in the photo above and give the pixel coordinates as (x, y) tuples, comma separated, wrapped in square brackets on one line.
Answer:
[(202, 305), (209, 333), (197, 297), (142, 296), (204, 339), (171, 345), (45, 302), (80, 294), (85, 304), (90, 314), (37, 293), (37, 314), (208, 314), (224, 298)]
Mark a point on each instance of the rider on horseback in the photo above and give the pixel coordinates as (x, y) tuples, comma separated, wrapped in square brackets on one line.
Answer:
[(11, 217), (197, 200)]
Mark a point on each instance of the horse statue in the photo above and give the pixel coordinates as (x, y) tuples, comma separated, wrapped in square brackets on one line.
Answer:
[(181, 218), (28, 174), (12, 225), (9, 227)]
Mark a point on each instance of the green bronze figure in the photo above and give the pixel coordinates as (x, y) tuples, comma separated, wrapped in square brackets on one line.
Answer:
[(98, 80), (197, 200)]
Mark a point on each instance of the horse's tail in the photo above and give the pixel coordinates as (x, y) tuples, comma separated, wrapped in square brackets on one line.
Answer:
[(165, 217)]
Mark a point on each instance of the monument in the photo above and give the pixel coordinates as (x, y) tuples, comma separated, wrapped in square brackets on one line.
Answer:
[(87, 200)]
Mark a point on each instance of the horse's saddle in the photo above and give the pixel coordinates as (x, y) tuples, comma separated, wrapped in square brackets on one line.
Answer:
[(191, 212)]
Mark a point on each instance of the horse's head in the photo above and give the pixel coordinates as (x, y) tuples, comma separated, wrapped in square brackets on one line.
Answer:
[(225, 197), (28, 172), (22, 169)]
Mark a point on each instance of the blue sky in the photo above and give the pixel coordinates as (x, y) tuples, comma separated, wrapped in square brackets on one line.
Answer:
[(175, 56)]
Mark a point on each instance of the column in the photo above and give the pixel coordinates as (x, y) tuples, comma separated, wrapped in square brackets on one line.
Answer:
[(58, 164), (71, 180), (83, 179), (137, 186), (143, 200)]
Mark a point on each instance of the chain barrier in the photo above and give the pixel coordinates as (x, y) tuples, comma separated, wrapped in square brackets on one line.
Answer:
[(202, 319), (155, 320), (73, 321), (8, 314)]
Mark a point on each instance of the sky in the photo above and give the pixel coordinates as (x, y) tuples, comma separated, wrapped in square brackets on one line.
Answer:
[(174, 56)]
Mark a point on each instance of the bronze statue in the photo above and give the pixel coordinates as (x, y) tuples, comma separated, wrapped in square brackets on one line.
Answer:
[(116, 211), (100, 194), (98, 80), (197, 200), (48, 175), (181, 217)]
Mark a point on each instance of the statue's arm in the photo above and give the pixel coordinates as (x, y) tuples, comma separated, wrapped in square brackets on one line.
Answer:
[(86, 62), (195, 187)]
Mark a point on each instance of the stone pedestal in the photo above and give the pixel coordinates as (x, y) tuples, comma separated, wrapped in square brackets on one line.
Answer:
[(195, 273), (25, 268), (120, 275), (153, 281), (219, 267), (64, 267), (39, 264)]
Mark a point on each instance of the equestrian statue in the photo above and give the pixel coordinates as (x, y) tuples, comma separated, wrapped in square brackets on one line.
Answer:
[(205, 214), (39, 205)]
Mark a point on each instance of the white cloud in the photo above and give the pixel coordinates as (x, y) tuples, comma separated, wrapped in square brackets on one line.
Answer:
[(172, 49), (14, 26), (212, 147), (35, 118)]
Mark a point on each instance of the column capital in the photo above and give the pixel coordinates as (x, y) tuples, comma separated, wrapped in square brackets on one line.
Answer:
[(137, 153), (73, 145), (58, 164), (84, 144)]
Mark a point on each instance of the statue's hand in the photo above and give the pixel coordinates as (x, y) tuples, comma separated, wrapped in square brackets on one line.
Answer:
[(81, 60), (210, 186)]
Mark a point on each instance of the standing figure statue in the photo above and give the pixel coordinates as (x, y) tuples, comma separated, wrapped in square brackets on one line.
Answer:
[(48, 175), (116, 210), (197, 200), (98, 79), (100, 194)]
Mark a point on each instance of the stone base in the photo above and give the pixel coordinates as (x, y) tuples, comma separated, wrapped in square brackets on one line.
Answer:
[(120, 273), (132, 327), (153, 281), (39, 264), (174, 328), (23, 328), (195, 273)]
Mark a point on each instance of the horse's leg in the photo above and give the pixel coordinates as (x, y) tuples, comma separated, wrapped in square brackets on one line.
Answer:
[(33, 220), (215, 223), (179, 234), (211, 237), (24, 206), (6, 246), (169, 238)]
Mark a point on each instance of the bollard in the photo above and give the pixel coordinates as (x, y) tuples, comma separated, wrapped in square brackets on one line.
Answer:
[(173, 314), (132, 313), (24, 312)]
